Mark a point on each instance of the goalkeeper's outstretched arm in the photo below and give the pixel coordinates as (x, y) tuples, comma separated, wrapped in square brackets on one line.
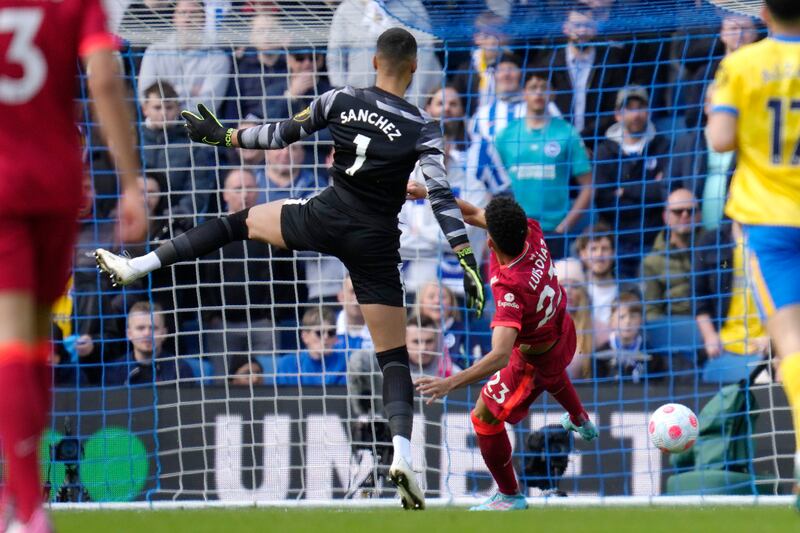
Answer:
[(205, 128), (431, 164)]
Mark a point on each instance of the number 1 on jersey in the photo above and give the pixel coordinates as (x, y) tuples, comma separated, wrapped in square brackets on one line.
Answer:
[(777, 107), (361, 142)]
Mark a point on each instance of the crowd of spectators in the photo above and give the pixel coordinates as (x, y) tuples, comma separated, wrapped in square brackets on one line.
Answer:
[(599, 137)]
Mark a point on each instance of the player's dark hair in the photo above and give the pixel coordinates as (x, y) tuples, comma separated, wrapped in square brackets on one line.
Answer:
[(784, 10), (161, 89), (397, 46), (507, 225)]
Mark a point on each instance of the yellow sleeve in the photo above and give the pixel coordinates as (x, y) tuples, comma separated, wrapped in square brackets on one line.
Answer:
[(727, 88)]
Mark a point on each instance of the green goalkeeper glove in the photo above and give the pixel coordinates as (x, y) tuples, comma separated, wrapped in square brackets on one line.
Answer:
[(473, 284), (206, 128)]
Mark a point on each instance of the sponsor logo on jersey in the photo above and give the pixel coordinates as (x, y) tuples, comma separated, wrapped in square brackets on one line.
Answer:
[(535, 172), (552, 149), (508, 301), (303, 115), (493, 280), (372, 118), (515, 305)]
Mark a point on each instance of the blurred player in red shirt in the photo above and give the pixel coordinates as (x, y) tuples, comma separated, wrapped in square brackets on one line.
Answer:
[(40, 198), (533, 341)]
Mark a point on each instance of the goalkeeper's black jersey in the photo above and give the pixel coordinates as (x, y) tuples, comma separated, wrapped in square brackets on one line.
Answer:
[(378, 138)]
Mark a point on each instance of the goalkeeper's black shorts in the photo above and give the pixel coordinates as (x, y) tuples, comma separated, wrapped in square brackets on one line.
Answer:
[(367, 244)]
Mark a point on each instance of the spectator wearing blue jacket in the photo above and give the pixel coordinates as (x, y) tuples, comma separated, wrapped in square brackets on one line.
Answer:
[(147, 362), (320, 363)]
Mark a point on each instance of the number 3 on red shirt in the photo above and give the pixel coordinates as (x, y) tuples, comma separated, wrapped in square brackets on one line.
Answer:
[(24, 24)]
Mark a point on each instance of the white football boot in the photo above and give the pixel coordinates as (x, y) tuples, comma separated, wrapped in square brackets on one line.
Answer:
[(411, 496), (118, 267)]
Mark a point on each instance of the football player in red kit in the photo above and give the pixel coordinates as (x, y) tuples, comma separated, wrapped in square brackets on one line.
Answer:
[(533, 341), (40, 198)]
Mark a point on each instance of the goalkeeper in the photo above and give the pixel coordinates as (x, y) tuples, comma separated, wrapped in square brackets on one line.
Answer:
[(378, 139)]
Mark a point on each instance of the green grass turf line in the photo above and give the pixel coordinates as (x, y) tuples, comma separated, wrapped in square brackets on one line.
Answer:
[(751, 519)]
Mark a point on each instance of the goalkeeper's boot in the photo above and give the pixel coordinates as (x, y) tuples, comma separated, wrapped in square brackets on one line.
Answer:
[(587, 431), (118, 267), (411, 496), (503, 502)]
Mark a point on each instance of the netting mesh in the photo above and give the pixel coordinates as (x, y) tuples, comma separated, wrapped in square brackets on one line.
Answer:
[(238, 405), (229, 21)]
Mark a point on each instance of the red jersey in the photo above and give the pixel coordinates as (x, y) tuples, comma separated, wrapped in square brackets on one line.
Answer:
[(40, 153), (527, 294)]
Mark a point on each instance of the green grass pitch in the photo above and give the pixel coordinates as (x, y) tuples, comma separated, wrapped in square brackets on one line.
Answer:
[(764, 519)]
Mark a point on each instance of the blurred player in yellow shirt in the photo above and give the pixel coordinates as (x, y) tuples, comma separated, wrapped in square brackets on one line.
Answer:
[(757, 112)]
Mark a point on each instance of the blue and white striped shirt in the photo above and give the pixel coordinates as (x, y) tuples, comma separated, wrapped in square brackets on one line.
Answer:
[(483, 162)]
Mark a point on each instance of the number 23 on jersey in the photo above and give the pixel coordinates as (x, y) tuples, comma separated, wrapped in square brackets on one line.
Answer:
[(500, 395)]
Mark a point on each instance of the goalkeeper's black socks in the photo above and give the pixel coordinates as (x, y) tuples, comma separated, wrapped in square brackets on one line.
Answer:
[(398, 391), (203, 239)]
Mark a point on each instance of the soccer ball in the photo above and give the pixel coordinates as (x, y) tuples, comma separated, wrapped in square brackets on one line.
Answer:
[(673, 428)]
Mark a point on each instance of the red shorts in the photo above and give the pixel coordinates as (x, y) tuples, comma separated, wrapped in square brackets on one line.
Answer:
[(36, 254), (511, 391)]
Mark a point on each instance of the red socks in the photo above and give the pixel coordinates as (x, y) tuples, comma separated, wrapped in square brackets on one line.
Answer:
[(565, 395), (24, 406), (496, 452)]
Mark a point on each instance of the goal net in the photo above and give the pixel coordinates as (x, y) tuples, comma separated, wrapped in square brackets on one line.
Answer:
[(248, 375)]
